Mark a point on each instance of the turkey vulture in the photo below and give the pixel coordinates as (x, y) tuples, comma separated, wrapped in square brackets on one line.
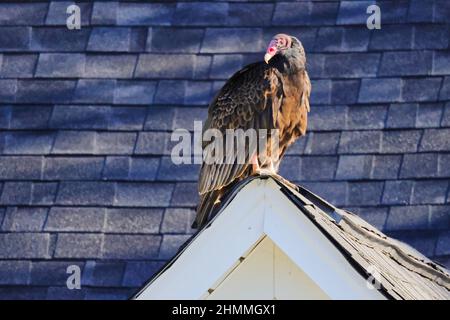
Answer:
[(271, 94)]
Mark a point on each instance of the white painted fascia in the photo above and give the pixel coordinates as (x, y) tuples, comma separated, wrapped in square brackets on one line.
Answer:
[(215, 250), (258, 209)]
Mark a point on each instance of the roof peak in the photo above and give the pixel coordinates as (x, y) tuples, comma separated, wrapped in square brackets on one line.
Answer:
[(265, 202)]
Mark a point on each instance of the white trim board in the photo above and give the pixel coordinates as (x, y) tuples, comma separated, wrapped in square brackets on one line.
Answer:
[(258, 210)]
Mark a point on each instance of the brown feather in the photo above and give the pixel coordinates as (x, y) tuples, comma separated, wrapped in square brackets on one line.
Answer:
[(260, 97)]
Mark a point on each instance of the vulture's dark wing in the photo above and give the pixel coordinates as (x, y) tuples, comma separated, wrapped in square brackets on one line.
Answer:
[(251, 98)]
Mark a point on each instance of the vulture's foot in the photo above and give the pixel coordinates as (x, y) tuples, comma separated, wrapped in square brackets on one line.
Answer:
[(264, 172), (269, 171), (272, 173)]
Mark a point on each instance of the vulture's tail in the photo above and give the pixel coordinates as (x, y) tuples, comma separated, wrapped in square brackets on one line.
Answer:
[(208, 202)]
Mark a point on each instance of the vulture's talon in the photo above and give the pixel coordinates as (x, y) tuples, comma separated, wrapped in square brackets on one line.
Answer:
[(265, 172)]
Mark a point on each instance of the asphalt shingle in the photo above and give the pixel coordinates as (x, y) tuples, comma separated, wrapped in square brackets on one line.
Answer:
[(86, 118)]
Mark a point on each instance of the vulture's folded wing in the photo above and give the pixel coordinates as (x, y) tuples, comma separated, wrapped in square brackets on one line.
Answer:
[(250, 99)]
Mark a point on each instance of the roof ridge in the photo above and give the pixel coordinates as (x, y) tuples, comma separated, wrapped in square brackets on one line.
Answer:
[(410, 261)]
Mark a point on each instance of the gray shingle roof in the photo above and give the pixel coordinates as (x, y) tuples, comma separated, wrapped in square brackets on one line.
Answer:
[(86, 116)]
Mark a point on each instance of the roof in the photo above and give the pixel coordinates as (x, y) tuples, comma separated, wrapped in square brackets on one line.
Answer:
[(402, 272), (86, 117)]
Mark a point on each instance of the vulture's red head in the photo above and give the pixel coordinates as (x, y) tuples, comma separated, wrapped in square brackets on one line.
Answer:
[(286, 46)]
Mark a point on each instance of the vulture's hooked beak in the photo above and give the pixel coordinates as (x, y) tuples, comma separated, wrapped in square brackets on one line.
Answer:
[(271, 51)]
